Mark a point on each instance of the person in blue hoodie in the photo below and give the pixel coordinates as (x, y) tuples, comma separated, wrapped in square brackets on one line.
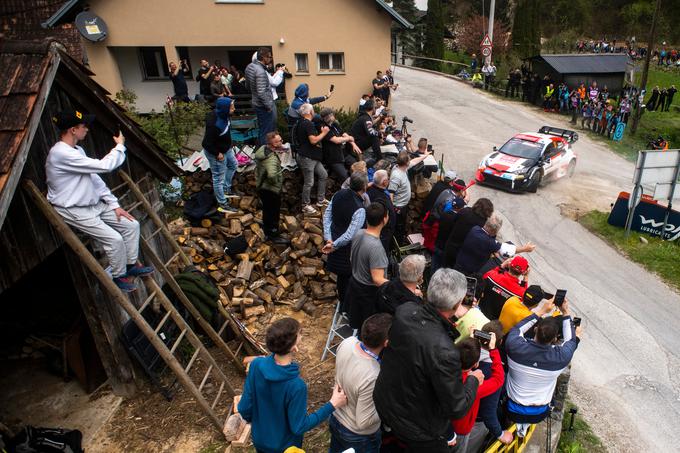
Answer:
[(217, 146), (274, 398), (302, 97)]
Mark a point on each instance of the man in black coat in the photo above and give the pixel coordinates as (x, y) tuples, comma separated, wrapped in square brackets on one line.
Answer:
[(404, 289), (420, 388)]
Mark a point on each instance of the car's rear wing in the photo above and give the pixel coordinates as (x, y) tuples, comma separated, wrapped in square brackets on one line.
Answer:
[(570, 136)]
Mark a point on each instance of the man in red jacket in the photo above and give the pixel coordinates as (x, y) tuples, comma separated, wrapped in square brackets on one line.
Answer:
[(469, 350), (503, 282)]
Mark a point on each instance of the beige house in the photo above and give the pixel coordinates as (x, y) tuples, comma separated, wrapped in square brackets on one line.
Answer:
[(323, 42)]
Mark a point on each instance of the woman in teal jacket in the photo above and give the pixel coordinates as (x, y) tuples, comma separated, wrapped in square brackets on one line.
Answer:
[(274, 398)]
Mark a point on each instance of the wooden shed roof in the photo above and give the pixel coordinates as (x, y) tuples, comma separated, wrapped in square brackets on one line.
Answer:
[(28, 69)]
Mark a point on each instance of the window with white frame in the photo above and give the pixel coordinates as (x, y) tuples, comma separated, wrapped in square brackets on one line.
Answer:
[(239, 1), (153, 62), (301, 62), (331, 61)]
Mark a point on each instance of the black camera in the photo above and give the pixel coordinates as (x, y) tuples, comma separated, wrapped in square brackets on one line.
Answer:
[(406, 119), (483, 337), (576, 321)]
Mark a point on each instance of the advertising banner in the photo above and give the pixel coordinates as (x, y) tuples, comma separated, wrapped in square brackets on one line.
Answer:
[(647, 218)]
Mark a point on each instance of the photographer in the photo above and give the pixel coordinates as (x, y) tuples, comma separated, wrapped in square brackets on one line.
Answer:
[(336, 146), (204, 78), (302, 97), (179, 85), (366, 135), (534, 365)]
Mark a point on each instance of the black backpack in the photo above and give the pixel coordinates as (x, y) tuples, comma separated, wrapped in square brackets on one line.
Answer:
[(46, 440), (199, 206)]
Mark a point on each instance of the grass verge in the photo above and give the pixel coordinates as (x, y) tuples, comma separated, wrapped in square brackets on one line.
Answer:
[(581, 438), (658, 256)]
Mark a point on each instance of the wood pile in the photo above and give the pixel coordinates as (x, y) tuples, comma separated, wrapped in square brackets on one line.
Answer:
[(265, 275)]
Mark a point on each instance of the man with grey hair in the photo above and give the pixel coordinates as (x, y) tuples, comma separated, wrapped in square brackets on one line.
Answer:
[(404, 289), (343, 218), (420, 387), (309, 157), (480, 244), (378, 192)]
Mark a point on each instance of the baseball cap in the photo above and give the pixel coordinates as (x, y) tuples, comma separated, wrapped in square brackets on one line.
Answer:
[(70, 118), (459, 184), (450, 175), (534, 295), (519, 264)]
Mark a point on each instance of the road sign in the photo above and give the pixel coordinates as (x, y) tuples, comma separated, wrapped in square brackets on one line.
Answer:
[(486, 51), (663, 192), (657, 167), (486, 42)]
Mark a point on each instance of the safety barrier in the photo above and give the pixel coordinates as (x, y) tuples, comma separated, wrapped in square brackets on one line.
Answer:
[(517, 445)]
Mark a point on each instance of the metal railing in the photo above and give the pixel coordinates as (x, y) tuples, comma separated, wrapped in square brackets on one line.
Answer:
[(517, 445)]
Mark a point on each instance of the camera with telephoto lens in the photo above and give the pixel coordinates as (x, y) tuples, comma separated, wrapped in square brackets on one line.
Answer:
[(406, 119)]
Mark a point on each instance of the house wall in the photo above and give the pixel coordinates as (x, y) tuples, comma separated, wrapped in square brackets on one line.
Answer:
[(306, 26)]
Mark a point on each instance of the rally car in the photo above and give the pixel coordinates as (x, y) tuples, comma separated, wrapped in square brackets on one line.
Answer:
[(527, 159)]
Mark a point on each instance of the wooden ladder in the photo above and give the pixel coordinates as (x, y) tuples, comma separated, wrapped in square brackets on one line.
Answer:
[(156, 298), (245, 343)]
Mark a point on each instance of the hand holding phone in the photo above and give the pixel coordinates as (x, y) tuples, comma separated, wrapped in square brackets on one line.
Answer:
[(560, 295), (332, 88)]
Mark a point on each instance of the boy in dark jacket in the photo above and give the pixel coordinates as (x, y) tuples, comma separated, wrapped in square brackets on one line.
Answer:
[(217, 147), (274, 397)]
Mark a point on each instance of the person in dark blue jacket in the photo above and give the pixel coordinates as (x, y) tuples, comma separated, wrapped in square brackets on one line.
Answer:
[(302, 97), (274, 398)]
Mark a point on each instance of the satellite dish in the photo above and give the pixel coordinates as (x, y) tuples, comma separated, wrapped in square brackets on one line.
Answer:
[(91, 27)]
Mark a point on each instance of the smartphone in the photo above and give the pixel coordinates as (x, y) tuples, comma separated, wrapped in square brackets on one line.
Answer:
[(483, 337), (560, 294), (471, 290), (576, 321), (332, 88), (429, 148)]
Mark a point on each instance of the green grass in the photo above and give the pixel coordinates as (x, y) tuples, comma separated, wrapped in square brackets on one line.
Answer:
[(658, 256), (581, 439)]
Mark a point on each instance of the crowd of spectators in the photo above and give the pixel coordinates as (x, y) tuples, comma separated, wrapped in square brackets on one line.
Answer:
[(447, 369)]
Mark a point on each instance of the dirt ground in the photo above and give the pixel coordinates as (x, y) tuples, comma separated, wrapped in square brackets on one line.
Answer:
[(148, 422)]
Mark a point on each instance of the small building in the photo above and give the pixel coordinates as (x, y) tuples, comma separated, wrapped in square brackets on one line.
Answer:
[(46, 293), (612, 70), (340, 43)]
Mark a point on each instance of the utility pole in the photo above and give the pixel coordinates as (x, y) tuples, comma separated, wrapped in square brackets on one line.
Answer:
[(492, 8), (645, 69)]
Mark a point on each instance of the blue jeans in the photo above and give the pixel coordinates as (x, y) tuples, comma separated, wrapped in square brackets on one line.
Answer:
[(343, 439), (266, 122), (222, 174)]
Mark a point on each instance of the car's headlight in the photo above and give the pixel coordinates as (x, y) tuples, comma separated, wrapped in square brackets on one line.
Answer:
[(484, 163), (522, 170)]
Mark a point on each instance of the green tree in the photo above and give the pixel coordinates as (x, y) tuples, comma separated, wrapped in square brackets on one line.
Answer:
[(526, 28), (434, 34), (410, 40)]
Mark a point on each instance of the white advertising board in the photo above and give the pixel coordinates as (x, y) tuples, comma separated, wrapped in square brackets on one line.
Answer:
[(663, 192), (659, 166)]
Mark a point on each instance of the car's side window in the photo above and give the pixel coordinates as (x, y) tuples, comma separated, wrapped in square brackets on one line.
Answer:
[(550, 150)]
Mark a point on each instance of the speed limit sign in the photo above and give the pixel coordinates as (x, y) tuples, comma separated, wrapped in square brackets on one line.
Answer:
[(486, 51)]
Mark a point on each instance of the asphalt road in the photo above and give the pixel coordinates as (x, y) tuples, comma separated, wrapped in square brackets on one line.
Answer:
[(626, 372)]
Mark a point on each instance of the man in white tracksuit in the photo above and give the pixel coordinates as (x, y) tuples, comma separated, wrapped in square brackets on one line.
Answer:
[(81, 197)]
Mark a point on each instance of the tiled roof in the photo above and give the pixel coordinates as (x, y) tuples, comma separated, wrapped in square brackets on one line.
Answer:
[(587, 63)]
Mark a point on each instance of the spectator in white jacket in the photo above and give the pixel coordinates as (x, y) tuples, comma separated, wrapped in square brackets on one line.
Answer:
[(81, 197)]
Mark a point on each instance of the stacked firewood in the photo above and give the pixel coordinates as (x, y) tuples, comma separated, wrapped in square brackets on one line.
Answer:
[(265, 276)]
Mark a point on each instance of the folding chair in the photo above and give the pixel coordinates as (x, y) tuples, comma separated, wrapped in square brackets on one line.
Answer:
[(340, 329)]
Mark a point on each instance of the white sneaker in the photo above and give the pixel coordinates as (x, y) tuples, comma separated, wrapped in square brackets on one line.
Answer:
[(322, 203), (309, 209)]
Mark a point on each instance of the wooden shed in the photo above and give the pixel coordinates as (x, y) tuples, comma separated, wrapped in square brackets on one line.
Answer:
[(41, 280)]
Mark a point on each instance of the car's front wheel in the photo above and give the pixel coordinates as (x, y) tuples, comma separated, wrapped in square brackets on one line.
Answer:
[(535, 181), (571, 168)]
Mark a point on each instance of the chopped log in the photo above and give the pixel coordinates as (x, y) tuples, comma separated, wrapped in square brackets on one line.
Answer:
[(308, 271), (246, 219), (255, 311), (257, 229), (238, 291), (199, 231), (206, 223), (242, 441), (240, 301), (217, 276), (311, 262), (246, 202), (289, 303), (300, 241), (290, 223), (235, 227), (197, 258), (258, 284), (213, 267), (233, 426), (181, 240), (284, 255), (189, 251), (264, 295), (317, 239), (300, 302), (297, 290), (282, 281), (311, 228), (210, 246), (309, 308), (245, 268)]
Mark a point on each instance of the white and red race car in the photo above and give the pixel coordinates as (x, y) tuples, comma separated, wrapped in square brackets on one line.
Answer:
[(527, 159)]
